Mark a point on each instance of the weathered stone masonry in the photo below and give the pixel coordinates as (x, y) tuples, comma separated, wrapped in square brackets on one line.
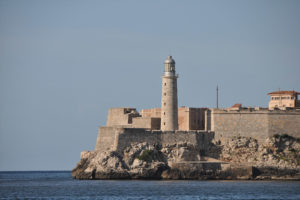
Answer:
[(112, 138), (258, 124)]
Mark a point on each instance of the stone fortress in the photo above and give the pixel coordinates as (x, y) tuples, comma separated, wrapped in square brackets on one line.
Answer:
[(197, 143), (127, 125)]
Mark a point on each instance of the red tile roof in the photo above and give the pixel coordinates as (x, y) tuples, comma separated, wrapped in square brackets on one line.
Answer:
[(291, 92), (237, 105)]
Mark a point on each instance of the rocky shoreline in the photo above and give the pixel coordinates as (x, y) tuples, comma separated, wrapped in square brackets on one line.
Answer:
[(240, 158)]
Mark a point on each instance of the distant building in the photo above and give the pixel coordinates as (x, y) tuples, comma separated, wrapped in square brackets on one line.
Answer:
[(283, 100), (237, 106)]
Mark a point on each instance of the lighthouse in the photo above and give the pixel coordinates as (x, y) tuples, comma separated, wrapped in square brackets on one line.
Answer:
[(169, 99)]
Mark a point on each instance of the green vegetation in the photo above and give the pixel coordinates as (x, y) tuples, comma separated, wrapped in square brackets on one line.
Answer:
[(146, 155)]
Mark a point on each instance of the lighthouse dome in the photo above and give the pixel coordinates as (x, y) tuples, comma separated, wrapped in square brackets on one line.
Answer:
[(169, 60)]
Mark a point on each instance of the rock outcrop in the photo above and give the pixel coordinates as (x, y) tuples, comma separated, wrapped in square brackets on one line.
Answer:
[(239, 158), (139, 161), (281, 151)]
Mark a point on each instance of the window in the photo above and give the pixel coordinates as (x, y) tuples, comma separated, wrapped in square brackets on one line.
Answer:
[(165, 104), (164, 113), (165, 94), (165, 84), (164, 123)]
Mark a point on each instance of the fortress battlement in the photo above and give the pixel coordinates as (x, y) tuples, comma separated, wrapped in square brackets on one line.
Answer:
[(117, 139), (125, 125)]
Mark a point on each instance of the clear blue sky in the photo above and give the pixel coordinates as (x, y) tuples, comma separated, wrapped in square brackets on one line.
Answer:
[(63, 64)]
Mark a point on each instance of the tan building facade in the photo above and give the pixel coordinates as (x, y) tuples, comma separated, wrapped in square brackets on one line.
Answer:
[(188, 118), (283, 100), (130, 118), (191, 118)]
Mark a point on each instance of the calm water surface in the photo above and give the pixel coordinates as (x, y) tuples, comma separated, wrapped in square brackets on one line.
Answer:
[(60, 185)]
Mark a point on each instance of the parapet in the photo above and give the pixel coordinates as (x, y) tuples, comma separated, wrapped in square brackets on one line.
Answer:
[(121, 116), (117, 139), (130, 118)]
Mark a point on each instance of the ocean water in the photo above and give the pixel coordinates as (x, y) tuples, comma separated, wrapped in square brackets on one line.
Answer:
[(60, 185)]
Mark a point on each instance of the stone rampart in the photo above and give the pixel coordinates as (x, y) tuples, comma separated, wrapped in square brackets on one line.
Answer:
[(258, 124), (284, 122), (118, 139), (108, 138)]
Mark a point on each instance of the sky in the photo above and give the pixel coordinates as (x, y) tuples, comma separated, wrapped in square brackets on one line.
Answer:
[(64, 63)]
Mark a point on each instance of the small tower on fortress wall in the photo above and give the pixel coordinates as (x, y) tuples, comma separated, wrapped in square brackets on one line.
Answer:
[(169, 99)]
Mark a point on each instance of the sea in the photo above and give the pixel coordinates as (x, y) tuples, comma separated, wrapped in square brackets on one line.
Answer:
[(60, 185)]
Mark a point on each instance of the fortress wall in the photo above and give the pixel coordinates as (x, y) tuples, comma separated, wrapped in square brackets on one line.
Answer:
[(128, 136), (136, 135), (155, 123), (197, 138), (183, 118), (118, 139), (177, 137), (121, 116), (107, 138), (284, 122), (191, 118), (227, 124), (256, 124), (197, 118), (146, 122)]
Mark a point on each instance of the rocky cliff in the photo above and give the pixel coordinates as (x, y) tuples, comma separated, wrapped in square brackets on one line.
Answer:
[(237, 158)]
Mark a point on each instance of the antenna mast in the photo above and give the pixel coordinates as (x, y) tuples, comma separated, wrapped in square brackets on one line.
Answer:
[(217, 96)]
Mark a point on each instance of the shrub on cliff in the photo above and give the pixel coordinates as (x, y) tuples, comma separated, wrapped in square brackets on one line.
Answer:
[(146, 155)]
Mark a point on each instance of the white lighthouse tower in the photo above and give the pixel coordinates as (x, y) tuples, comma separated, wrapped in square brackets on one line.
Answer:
[(169, 99)]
